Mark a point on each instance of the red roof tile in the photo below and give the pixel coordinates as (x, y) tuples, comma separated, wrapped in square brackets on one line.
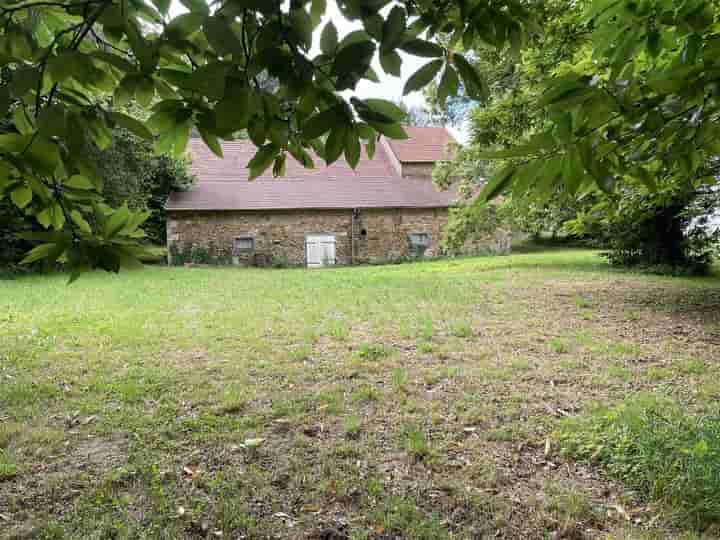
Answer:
[(423, 145), (222, 184)]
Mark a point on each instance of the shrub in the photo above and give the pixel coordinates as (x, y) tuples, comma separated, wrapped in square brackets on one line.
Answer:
[(180, 255), (659, 449)]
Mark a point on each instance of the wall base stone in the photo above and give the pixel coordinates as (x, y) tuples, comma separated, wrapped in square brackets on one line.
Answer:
[(361, 236)]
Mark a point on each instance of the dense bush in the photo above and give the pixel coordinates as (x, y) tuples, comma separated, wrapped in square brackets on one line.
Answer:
[(659, 449), (12, 248), (655, 231), (133, 174)]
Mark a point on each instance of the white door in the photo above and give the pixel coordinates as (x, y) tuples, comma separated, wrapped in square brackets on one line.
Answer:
[(320, 250)]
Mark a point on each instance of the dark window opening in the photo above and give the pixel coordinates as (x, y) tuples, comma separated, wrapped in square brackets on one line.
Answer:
[(243, 244), (419, 243), (363, 232)]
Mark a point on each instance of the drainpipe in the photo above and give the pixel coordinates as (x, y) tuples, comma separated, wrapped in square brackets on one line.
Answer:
[(355, 214)]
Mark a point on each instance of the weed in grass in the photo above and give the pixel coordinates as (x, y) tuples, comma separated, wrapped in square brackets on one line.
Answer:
[(619, 372), (330, 401), (373, 351), (366, 394), (461, 329), (416, 443), (425, 328), (656, 373), (568, 507), (658, 448), (400, 379), (352, 427), (8, 466), (558, 346), (692, 366), (338, 329), (582, 303), (425, 347), (402, 518), (234, 400)]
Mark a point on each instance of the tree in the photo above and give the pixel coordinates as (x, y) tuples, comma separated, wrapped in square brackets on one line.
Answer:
[(636, 103), (133, 174), (603, 128), (201, 70)]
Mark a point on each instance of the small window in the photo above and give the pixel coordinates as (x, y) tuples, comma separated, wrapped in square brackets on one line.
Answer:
[(419, 240), (244, 244), (419, 243)]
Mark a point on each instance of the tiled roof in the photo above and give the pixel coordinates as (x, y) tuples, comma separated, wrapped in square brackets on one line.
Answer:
[(423, 145), (222, 184)]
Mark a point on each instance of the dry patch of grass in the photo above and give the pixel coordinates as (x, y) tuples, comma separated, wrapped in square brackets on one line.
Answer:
[(411, 401)]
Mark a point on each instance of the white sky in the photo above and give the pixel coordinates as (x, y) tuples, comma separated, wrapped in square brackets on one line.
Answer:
[(389, 87)]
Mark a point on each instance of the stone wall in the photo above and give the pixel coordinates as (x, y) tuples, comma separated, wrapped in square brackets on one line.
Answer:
[(379, 234)]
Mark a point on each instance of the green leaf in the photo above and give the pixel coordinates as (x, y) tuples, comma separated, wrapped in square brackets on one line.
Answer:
[(78, 181), (474, 85), (573, 171), (329, 38), (132, 125), (118, 219), (387, 109), (53, 216), (263, 158), (299, 153), (21, 196), (391, 63), (449, 84), (302, 27), (422, 77), (49, 252), (182, 26), (393, 131), (317, 10), (233, 112), (497, 184), (211, 141), (356, 36), (162, 5), (393, 29), (52, 121), (420, 47), (196, 6), (80, 222), (222, 38), (335, 144), (23, 121), (374, 26), (321, 123), (352, 147)]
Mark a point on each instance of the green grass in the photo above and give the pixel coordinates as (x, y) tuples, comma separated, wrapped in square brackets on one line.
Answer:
[(668, 454), (406, 401)]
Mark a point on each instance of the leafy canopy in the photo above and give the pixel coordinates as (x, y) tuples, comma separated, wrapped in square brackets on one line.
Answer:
[(638, 101), (73, 65)]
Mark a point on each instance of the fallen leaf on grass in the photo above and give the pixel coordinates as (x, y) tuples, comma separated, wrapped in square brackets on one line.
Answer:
[(249, 444)]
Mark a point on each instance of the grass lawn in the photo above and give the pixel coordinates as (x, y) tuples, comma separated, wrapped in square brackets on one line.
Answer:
[(414, 401)]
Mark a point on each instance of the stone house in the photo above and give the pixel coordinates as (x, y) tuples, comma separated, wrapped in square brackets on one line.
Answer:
[(386, 209)]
